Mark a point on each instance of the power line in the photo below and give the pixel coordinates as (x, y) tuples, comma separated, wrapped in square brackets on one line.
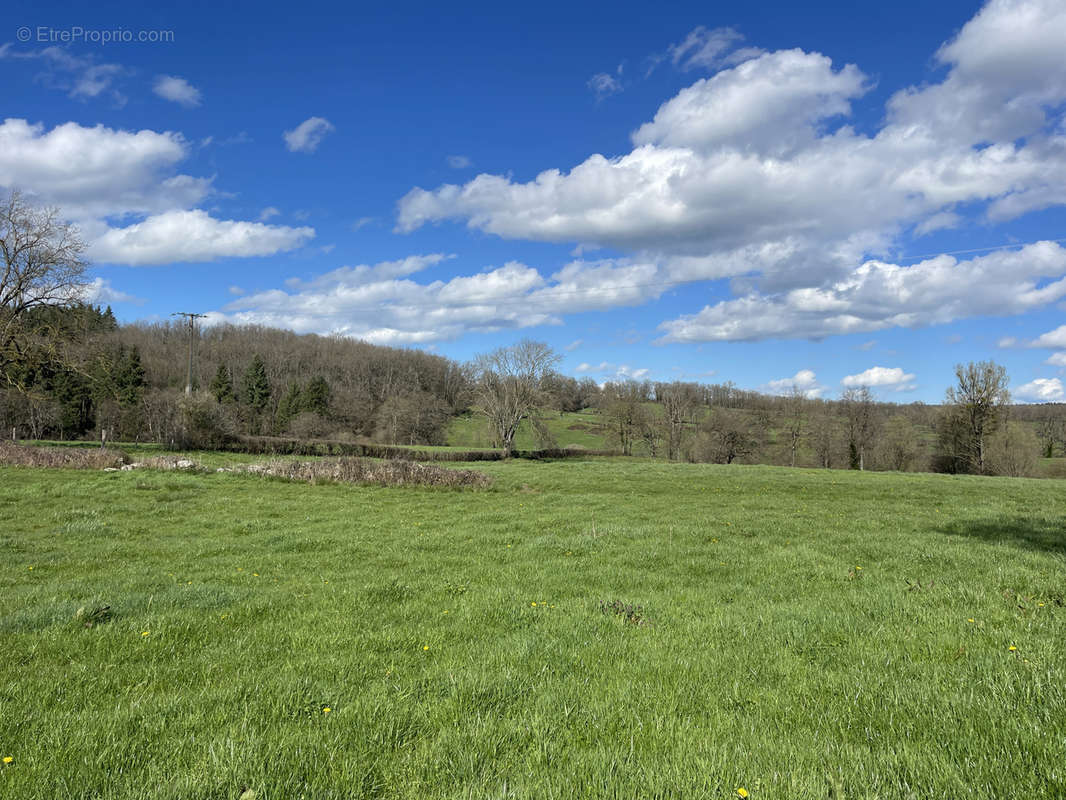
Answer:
[(191, 317)]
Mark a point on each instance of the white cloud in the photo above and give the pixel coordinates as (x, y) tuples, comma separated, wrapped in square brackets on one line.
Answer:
[(177, 90), (1054, 339), (1007, 342), (753, 174), (361, 223), (704, 48), (382, 304), (806, 381), (237, 291), (82, 78), (97, 171), (459, 162), (121, 189), (193, 236), (627, 372), (879, 295), (603, 84), (574, 345), (1041, 390), (268, 213), (1057, 359), (887, 377), (308, 135), (100, 291)]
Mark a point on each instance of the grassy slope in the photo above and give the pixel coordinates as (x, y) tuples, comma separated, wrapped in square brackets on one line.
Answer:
[(772, 664)]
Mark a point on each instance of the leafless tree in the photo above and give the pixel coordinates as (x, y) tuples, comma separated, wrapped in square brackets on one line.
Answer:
[(623, 405), (680, 402), (509, 388), (42, 265), (795, 419), (858, 406)]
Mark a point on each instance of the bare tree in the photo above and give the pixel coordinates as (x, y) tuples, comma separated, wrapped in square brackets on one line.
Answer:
[(680, 402), (795, 418), (858, 406), (978, 400), (509, 386), (42, 265), (623, 404)]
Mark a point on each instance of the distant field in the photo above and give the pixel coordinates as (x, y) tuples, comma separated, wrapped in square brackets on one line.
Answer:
[(578, 428), (808, 634)]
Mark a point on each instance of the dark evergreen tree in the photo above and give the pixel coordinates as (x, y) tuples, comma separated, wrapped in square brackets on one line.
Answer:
[(316, 396), (222, 385), (130, 380), (255, 386), (288, 407)]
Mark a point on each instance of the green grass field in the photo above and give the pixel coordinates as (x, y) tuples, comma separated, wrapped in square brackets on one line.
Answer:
[(809, 634)]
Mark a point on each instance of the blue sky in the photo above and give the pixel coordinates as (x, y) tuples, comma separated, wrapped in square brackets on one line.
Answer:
[(767, 193)]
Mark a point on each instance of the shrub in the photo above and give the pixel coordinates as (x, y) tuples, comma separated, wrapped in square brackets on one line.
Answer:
[(20, 455), (380, 473)]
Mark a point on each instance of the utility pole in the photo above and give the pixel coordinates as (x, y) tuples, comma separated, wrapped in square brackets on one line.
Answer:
[(192, 337)]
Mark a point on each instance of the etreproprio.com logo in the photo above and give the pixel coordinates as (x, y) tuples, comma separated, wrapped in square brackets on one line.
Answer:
[(76, 34)]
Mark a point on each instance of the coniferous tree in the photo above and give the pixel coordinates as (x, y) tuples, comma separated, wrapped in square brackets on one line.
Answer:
[(316, 396), (255, 386), (130, 380), (222, 385), (288, 407)]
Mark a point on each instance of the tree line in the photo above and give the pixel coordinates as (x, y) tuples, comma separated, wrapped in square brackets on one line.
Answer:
[(70, 371)]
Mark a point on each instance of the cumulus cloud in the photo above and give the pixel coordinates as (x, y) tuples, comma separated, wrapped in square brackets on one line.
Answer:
[(1041, 390), (177, 90), (754, 175), (193, 236), (893, 378), (123, 191), (805, 381), (308, 135), (1057, 359), (1054, 339), (878, 295)]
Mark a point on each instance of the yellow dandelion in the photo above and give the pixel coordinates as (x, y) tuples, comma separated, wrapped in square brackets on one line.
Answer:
[(9, 759), (1012, 648), (533, 604), (445, 612), (144, 633), (1039, 605), (970, 619), (326, 710), (425, 647), (30, 567), (256, 574), (742, 792), (858, 568)]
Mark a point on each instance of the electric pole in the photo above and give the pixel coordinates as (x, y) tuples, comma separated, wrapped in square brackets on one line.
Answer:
[(192, 337)]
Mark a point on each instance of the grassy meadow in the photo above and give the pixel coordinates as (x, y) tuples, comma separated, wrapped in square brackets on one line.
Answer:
[(788, 633)]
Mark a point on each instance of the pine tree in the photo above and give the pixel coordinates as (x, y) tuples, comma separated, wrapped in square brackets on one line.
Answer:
[(288, 407), (222, 385), (130, 381), (255, 387), (316, 396)]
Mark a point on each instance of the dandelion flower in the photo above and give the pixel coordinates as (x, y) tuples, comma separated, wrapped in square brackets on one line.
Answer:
[(858, 568), (533, 604), (970, 619), (9, 759), (1012, 648), (144, 633), (425, 647), (742, 792), (326, 710)]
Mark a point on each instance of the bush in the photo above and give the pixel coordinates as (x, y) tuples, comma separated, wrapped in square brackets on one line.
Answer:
[(206, 424), (20, 455), (1013, 450), (365, 471)]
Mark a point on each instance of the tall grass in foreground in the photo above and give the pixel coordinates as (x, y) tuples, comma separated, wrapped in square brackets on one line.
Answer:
[(808, 634)]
